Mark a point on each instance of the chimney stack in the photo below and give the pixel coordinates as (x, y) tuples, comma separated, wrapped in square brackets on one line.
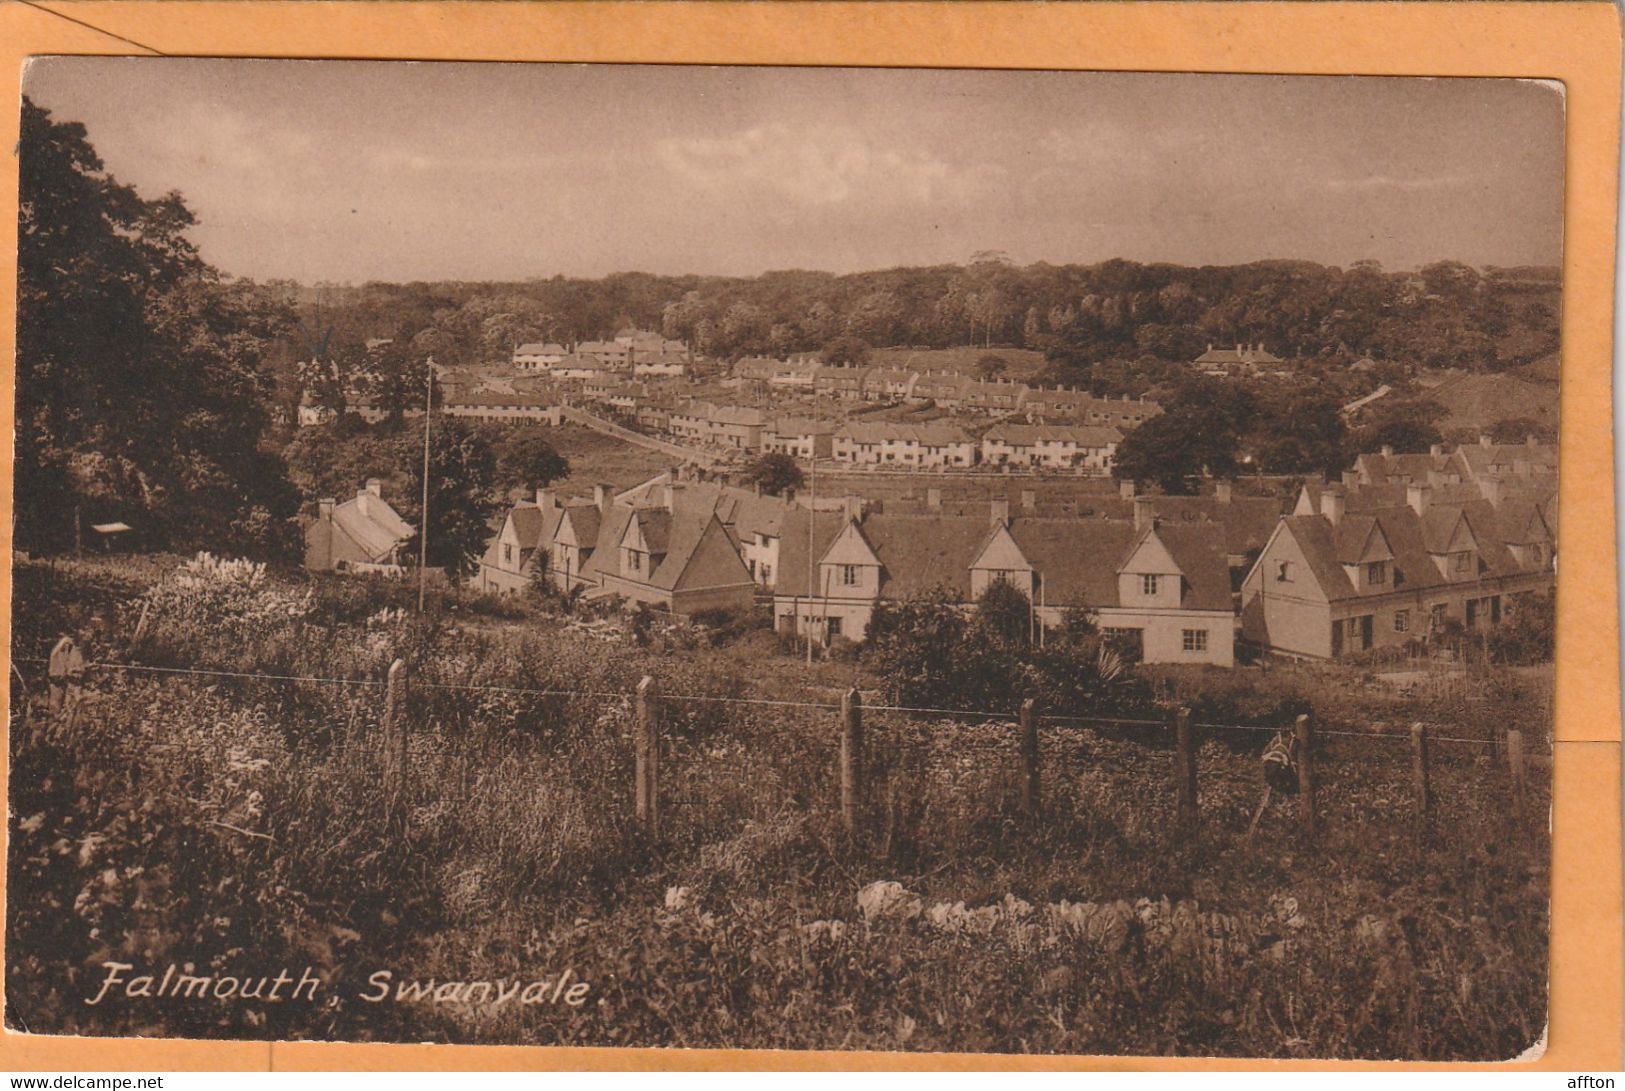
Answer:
[(852, 508), (1493, 489), (601, 497), (1387, 450), (1350, 479), (375, 487), (1419, 497), (933, 498), (1125, 489), (1144, 513), (324, 508), (1437, 450), (545, 500), (1484, 440), (1222, 490), (1331, 505), (999, 513), (1530, 441), (1029, 501), (672, 490)]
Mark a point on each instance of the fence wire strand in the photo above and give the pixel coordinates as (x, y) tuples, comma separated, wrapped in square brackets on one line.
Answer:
[(824, 706)]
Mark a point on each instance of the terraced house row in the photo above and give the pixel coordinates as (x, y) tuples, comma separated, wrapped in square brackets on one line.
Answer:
[(1405, 549), (948, 390)]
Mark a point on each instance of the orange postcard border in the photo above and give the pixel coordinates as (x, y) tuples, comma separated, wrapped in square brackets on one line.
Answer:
[(1577, 43)]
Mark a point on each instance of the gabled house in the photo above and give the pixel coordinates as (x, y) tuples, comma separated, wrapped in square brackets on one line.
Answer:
[(541, 537), (360, 533), (800, 437), (538, 355), (1051, 446), (675, 556), (1165, 589), (839, 382), (1351, 570), (926, 446), (1246, 359)]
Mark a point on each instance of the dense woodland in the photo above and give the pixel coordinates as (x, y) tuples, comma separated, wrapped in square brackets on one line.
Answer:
[(148, 381), (1446, 315)]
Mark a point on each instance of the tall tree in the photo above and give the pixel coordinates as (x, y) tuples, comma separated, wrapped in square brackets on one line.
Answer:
[(140, 392)]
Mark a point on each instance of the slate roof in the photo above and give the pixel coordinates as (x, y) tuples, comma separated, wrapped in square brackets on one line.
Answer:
[(372, 524), (928, 435), (1026, 435), (1413, 540)]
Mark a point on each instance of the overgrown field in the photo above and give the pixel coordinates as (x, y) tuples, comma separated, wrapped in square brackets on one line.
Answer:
[(242, 825)]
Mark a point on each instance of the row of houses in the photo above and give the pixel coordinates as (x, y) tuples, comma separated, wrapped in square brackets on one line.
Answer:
[(947, 389), (640, 352), (1365, 563)]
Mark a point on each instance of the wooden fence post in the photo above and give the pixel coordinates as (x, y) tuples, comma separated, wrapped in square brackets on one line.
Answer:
[(646, 752), (1305, 733), (1515, 763), (395, 730), (1031, 800), (851, 759), (1419, 768), (1185, 769)]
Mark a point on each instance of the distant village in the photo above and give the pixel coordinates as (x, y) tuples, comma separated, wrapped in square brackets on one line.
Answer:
[(992, 481), (797, 406)]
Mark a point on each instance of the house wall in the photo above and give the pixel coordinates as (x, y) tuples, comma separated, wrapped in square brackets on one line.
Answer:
[(1164, 634)]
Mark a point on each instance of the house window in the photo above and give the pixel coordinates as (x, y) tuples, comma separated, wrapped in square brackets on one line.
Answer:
[(1436, 616), (1402, 621), (767, 573), (1148, 585), (1376, 573), (849, 575), (507, 554), (1283, 571), (834, 627), (634, 560), (1195, 640), (1462, 563)]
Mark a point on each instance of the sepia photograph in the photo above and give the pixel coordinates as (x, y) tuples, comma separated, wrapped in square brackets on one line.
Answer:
[(727, 557)]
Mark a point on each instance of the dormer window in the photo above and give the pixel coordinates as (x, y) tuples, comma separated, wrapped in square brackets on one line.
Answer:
[(1461, 563), (849, 575), (1376, 573), (1148, 584)]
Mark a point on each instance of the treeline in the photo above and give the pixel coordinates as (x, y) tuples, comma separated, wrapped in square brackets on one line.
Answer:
[(1445, 315)]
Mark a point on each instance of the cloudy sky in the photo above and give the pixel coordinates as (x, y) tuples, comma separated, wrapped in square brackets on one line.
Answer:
[(329, 170)]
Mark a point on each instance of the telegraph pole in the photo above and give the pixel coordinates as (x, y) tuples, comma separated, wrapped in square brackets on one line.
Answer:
[(423, 521)]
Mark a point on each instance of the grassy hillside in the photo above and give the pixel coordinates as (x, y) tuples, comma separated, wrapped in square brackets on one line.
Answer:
[(1476, 401), (243, 824)]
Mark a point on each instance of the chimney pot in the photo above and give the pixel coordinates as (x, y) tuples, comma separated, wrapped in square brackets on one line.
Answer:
[(1419, 496), (1331, 505)]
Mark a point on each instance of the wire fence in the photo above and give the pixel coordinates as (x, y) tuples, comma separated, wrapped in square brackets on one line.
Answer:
[(424, 760)]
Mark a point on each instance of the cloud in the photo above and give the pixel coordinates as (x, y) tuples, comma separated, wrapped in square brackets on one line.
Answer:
[(823, 165)]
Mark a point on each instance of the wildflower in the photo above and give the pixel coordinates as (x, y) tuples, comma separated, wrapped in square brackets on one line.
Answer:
[(884, 898)]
